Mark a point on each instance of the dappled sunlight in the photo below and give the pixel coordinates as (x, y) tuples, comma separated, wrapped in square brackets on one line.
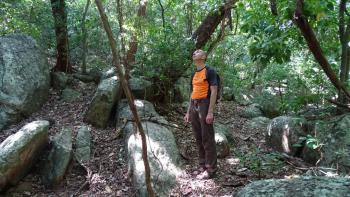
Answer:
[(115, 78), (163, 160), (232, 161), (139, 103), (11, 140), (285, 142)]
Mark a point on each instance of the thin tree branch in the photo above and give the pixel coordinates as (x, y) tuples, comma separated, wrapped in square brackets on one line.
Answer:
[(128, 94), (162, 12)]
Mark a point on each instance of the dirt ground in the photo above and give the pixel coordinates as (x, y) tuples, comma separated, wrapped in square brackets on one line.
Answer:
[(249, 159)]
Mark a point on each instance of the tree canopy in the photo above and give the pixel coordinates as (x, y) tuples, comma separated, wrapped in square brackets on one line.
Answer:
[(254, 44)]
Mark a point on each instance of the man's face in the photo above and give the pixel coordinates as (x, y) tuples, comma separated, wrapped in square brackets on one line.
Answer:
[(198, 55)]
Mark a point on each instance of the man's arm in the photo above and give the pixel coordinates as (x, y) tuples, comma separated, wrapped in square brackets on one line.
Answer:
[(189, 106), (210, 115), (187, 116), (214, 92)]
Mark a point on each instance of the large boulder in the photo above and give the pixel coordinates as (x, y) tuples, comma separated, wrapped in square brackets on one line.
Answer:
[(334, 134), (145, 109), (182, 90), (20, 150), (269, 104), (163, 155), (141, 88), (301, 187), (58, 159), (101, 106), (24, 78), (222, 145), (284, 132)]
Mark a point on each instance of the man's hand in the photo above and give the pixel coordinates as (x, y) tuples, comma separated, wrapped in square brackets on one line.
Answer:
[(210, 118), (187, 118)]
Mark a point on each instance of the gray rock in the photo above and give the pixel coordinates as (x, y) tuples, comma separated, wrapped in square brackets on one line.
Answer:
[(283, 132), (20, 151), (24, 78), (83, 144), (103, 102), (252, 111), (222, 145), (334, 134), (70, 95), (182, 90), (95, 73), (145, 110), (58, 159), (269, 104), (163, 156), (108, 73), (258, 123), (59, 80), (141, 88), (301, 187)]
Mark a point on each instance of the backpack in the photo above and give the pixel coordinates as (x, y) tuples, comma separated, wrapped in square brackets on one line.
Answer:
[(218, 97)]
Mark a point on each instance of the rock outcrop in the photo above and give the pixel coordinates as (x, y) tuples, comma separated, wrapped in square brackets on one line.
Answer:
[(301, 187), (163, 155), (24, 78), (19, 152)]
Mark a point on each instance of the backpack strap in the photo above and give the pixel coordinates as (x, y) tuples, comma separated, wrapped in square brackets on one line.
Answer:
[(191, 85)]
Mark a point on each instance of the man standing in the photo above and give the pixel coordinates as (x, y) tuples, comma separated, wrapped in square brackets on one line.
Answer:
[(204, 86)]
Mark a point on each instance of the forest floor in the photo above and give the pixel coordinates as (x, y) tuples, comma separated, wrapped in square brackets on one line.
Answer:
[(249, 159)]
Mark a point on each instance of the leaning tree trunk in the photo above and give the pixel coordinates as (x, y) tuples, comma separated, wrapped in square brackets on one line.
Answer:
[(210, 23), (60, 17), (129, 96), (315, 47), (201, 36)]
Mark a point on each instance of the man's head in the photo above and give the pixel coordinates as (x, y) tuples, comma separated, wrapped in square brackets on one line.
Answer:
[(199, 55)]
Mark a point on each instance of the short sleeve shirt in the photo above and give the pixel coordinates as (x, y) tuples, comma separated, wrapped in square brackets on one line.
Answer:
[(201, 84)]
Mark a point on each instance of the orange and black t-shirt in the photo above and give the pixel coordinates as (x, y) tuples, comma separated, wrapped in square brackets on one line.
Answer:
[(201, 82)]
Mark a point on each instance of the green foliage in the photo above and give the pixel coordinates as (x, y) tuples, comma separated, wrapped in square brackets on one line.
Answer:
[(27, 17), (310, 141), (264, 51)]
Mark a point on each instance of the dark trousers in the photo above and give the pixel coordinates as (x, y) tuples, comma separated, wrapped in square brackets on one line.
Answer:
[(204, 134)]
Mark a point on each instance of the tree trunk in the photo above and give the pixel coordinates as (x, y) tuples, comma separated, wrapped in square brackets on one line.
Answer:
[(129, 96), (130, 55), (315, 48), (189, 17), (209, 24), (60, 17), (84, 32), (344, 33), (273, 7), (121, 29)]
